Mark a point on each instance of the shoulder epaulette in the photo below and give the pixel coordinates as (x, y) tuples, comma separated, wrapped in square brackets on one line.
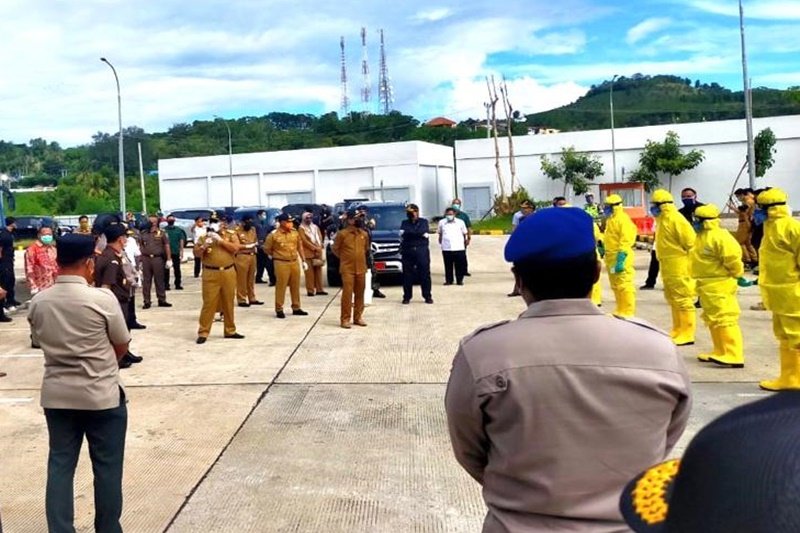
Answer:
[(641, 323), (485, 327)]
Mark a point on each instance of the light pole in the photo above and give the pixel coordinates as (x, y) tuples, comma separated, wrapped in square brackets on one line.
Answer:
[(613, 144), (121, 155), (230, 155), (748, 107)]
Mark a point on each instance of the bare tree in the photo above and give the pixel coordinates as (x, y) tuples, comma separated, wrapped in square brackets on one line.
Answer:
[(493, 99), (509, 133)]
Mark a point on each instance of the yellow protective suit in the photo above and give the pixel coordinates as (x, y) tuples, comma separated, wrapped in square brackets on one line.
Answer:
[(674, 240), (779, 280), (620, 236), (716, 264), (597, 288)]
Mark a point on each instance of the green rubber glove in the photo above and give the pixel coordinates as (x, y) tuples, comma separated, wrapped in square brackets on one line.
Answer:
[(742, 282), (619, 267)]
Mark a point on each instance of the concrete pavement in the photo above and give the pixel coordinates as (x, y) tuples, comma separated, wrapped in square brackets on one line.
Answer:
[(303, 426)]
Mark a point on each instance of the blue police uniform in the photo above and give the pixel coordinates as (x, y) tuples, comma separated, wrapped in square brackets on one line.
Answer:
[(416, 258)]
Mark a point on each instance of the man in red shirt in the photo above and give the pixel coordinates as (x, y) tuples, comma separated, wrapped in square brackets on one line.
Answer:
[(41, 269)]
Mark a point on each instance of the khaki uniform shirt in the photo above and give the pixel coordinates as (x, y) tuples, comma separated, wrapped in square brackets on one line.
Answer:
[(555, 412), (154, 243), (311, 239), (246, 237), (77, 327), (283, 245), (109, 270), (216, 255), (351, 246)]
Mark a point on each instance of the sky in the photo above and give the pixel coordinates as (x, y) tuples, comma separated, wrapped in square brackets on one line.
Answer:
[(186, 60)]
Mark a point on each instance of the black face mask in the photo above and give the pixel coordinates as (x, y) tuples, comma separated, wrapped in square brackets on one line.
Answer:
[(410, 216), (360, 222), (170, 223), (247, 226)]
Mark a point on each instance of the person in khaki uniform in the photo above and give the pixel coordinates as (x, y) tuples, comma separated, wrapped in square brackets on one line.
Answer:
[(156, 257), (554, 412), (246, 264), (283, 246), (83, 334), (313, 251), (218, 248), (351, 246)]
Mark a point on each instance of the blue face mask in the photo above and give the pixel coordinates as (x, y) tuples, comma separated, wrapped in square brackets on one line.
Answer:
[(687, 202), (655, 210), (608, 210), (760, 216), (698, 226)]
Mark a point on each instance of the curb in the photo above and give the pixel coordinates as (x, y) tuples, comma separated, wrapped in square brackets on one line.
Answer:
[(491, 232)]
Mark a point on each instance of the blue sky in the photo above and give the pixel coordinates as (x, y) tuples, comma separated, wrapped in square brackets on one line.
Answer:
[(182, 60)]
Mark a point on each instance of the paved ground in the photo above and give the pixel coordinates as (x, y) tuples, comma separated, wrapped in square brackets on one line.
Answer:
[(303, 426)]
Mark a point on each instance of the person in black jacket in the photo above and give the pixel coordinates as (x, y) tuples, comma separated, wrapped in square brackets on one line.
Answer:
[(416, 254), (690, 203)]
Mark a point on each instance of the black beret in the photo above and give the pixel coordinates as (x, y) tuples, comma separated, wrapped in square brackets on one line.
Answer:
[(73, 247), (115, 231), (285, 217)]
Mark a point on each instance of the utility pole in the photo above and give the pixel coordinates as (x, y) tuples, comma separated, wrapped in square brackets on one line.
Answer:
[(748, 106), (488, 107), (141, 178), (121, 154), (613, 143)]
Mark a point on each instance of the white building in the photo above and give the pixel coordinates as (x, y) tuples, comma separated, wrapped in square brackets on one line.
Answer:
[(412, 171), (724, 144)]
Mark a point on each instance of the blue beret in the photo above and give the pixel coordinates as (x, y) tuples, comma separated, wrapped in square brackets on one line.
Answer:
[(552, 234), (72, 247)]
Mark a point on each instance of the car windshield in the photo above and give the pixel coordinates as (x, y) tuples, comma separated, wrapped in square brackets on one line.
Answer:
[(387, 218)]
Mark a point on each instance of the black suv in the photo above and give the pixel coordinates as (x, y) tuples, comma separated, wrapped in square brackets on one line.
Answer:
[(28, 226), (388, 216)]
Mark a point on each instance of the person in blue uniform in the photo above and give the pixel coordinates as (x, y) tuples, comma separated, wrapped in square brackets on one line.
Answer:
[(416, 254)]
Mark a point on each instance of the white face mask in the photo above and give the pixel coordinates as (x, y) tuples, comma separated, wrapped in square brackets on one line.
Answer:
[(214, 226), (450, 218)]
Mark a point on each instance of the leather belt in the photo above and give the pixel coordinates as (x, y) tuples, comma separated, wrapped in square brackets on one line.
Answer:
[(284, 260), (218, 268)]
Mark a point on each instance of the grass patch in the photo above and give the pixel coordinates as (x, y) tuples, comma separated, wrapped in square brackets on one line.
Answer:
[(502, 223)]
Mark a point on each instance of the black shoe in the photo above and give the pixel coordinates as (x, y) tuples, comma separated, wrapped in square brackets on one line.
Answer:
[(5, 319), (322, 293), (234, 336), (200, 340), (299, 312), (134, 358), (378, 294), (446, 283), (468, 274), (164, 304), (124, 362), (271, 283), (244, 304), (697, 305), (280, 314), (459, 283), (428, 300), (138, 326), (147, 305), (15, 303), (513, 293), (311, 294), (179, 288), (406, 301), (260, 281), (646, 287), (167, 289), (256, 302)]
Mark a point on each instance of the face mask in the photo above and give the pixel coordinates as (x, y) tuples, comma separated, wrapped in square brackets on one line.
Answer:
[(170, 223), (698, 226), (214, 226), (247, 226), (262, 217), (47, 239), (457, 207), (608, 210), (360, 222), (450, 218), (84, 225), (410, 216), (760, 216), (687, 202), (655, 210)]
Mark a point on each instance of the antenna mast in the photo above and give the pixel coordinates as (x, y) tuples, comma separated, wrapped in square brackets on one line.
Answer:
[(345, 105), (366, 89), (384, 82)]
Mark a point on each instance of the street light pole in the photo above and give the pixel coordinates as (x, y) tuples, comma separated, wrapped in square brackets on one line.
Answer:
[(613, 143), (230, 156), (121, 154), (748, 107)]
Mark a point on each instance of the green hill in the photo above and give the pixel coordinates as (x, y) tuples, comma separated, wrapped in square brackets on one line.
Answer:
[(649, 100)]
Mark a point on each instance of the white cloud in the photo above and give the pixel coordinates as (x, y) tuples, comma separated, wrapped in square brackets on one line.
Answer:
[(764, 9), (433, 15), (645, 28)]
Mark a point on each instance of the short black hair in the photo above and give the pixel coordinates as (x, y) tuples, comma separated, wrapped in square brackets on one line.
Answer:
[(198, 219), (83, 217), (688, 189), (739, 191), (449, 209), (565, 278), (559, 199), (260, 212)]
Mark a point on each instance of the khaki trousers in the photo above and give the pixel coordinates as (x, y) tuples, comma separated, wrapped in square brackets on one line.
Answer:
[(353, 285), (313, 279), (219, 290), (287, 274), (245, 278)]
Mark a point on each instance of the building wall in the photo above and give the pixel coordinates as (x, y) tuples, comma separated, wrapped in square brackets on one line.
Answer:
[(415, 171), (724, 144)]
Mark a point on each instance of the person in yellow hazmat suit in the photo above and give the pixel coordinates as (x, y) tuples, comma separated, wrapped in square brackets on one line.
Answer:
[(716, 266), (597, 288), (779, 279), (619, 240), (674, 241)]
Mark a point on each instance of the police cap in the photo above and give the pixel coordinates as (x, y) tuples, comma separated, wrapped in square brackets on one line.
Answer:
[(552, 235), (285, 217), (73, 247)]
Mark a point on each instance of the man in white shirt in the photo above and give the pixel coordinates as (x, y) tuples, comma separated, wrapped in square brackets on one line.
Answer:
[(454, 239)]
